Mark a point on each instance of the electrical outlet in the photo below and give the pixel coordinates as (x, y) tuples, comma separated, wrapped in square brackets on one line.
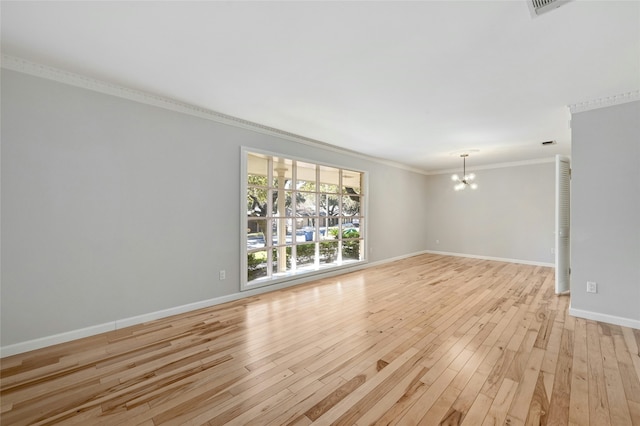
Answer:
[(553, 250), (223, 274), (592, 287), (437, 241)]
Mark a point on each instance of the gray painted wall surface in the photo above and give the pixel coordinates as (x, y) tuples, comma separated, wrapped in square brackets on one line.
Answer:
[(605, 210), (510, 215), (113, 209)]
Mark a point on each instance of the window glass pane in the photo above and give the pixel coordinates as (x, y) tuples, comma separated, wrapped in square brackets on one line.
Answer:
[(350, 231), (306, 176), (330, 207), (328, 251), (256, 201), (351, 250), (257, 166), (358, 222), (276, 206), (350, 205), (282, 173), (305, 204), (351, 182), (329, 179), (285, 209), (281, 254), (305, 230), (256, 225), (323, 227), (331, 233), (256, 265), (305, 254), (288, 203), (256, 234), (281, 231)]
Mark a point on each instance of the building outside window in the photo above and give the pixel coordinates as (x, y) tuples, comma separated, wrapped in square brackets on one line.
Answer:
[(301, 218)]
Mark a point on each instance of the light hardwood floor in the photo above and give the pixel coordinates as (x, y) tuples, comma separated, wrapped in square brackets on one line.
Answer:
[(426, 340)]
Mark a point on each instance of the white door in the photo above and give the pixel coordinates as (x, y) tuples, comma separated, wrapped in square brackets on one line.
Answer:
[(563, 192)]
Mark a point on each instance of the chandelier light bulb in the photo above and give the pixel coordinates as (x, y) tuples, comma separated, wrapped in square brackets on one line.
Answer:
[(474, 185), (455, 178)]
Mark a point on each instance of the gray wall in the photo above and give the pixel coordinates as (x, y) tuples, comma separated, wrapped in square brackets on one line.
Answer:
[(605, 211), (113, 208), (509, 216)]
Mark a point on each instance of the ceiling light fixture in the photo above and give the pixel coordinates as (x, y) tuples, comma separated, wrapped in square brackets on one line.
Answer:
[(467, 179)]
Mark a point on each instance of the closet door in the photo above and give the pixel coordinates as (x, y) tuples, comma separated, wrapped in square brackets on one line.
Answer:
[(563, 247)]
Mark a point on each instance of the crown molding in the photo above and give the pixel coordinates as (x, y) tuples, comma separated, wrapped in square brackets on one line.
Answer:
[(605, 102), (24, 66)]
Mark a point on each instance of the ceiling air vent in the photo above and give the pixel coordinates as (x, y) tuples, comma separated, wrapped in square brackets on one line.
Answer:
[(538, 7)]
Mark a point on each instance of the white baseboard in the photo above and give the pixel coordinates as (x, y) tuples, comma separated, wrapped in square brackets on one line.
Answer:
[(394, 259), (498, 259), (31, 345), (609, 319), (68, 336)]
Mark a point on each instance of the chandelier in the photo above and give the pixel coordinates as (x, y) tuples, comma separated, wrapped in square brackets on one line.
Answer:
[(467, 179)]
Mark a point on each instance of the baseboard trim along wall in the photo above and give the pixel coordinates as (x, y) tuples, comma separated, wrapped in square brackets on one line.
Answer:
[(498, 259), (609, 319), (68, 336)]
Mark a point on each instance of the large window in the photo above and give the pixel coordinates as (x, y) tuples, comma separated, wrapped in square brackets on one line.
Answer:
[(301, 218)]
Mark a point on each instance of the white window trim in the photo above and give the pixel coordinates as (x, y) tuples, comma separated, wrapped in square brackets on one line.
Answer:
[(299, 276)]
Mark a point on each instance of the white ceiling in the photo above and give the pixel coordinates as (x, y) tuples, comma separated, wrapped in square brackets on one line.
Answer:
[(413, 82)]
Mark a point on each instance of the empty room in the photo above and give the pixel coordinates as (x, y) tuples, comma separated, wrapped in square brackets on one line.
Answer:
[(320, 212)]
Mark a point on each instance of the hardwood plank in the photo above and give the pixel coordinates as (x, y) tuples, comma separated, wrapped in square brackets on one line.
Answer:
[(522, 401), (579, 398), (630, 380), (392, 396), (478, 410), (561, 393), (500, 404), (437, 414), (334, 415), (306, 397), (315, 412), (598, 400), (539, 404), (634, 411), (633, 347), (429, 396), (618, 406)]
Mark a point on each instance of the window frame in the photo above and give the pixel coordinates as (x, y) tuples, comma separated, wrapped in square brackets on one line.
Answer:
[(318, 268)]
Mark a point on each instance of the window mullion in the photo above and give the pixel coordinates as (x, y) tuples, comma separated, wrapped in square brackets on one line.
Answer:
[(294, 214), (340, 215), (316, 260), (269, 242)]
